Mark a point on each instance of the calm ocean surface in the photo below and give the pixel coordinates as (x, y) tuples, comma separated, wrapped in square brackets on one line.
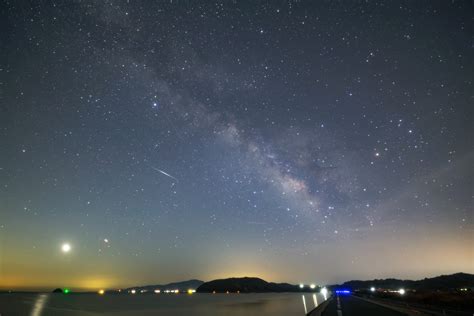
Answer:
[(162, 304)]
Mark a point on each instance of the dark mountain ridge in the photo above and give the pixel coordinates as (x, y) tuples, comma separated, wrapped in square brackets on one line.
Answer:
[(181, 286), (245, 285), (442, 282)]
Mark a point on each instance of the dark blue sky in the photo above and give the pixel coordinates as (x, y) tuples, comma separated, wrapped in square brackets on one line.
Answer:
[(297, 141)]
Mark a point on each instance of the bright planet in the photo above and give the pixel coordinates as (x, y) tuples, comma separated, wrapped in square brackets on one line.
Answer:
[(65, 247)]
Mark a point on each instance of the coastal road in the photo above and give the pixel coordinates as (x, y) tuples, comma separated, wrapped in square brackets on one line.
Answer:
[(347, 305)]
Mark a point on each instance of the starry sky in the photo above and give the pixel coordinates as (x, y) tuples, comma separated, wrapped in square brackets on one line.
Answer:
[(298, 141)]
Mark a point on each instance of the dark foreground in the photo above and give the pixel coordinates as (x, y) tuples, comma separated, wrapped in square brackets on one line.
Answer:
[(352, 306)]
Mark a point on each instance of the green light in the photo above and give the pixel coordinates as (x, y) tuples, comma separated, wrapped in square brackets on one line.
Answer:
[(66, 291)]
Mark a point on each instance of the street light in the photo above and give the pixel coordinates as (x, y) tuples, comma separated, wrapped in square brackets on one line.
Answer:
[(401, 291), (372, 289), (301, 285), (324, 292), (312, 286)]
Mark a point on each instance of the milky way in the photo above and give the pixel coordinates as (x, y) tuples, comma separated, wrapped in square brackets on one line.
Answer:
[(295, 141)]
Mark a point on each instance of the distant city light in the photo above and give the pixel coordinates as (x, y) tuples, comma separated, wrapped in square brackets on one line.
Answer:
[(157, 291), (191, 291), (301, 285), (133, 291), (312, 286), (401, 291), (372, 289), (101, 292)]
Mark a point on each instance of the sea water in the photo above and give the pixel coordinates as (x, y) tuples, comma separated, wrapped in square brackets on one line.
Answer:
[(274, 304)]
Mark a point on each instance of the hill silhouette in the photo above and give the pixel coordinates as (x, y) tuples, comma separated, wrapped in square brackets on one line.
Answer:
[(245, 285), (181, 286), (442, 282)]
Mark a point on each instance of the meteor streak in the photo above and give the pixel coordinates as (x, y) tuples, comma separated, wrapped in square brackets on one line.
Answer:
[(165, 173)]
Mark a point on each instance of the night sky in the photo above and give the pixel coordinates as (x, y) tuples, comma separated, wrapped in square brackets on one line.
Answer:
[(299, 141)]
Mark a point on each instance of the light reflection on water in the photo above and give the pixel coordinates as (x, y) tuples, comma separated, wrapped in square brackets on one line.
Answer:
[(304, 304), (39, 304), (308, 307)]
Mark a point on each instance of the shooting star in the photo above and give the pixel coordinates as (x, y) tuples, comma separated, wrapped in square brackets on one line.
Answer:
[(165, 173)]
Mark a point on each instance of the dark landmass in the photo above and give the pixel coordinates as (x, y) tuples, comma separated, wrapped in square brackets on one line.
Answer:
[(454, 292), (245, 285), (58, 290), (439, 283), (181, 286), (449, 300)]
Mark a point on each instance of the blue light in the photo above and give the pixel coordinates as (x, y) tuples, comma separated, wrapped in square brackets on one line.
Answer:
[(343, 292)]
